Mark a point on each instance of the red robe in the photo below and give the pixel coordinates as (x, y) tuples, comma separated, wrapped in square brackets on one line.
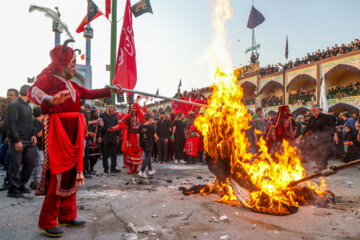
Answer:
[(283, 127), (65, 145), (132, 153)]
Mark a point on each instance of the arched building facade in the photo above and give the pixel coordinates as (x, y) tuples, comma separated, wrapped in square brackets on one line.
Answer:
[(299, 87), (342, 86)]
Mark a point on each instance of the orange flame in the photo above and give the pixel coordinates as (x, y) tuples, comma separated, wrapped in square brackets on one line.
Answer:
[(224, 126)]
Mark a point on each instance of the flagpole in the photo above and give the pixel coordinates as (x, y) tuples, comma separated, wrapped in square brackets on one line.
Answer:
[(159, 96), (113, 44)]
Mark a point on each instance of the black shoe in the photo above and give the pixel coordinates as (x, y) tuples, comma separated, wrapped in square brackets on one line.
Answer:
[(5, 187), (87, 175), (24, 189), (53, 232), (15, 194), (115, 170), (106, 171), (92, 172), (73, 223)]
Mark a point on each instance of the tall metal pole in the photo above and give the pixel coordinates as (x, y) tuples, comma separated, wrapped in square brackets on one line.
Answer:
[(113, 44), (158, 96), (56, 29)]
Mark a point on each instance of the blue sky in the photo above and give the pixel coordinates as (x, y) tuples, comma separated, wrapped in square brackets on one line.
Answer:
[(169, 42)]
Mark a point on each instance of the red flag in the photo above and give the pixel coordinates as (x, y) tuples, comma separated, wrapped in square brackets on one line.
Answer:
[(196, 109), (179, 107), (192, 145), (85, 22), (125, 71), (107, 8)]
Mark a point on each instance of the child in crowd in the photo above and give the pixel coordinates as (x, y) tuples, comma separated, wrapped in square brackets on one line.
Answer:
[(145, 138)]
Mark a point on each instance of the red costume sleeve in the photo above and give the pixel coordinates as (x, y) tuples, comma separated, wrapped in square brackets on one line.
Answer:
[(120, 125), (38, 91), (92, 94)]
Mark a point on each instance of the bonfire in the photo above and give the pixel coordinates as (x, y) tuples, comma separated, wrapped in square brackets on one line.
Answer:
[(261, 180), (258, 181)]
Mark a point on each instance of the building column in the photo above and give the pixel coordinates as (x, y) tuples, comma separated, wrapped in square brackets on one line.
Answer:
[(286, 92), (318, 82), (88, 34)]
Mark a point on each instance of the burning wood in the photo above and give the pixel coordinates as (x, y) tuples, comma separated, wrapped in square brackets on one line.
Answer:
[(327, 172), (258, 181)]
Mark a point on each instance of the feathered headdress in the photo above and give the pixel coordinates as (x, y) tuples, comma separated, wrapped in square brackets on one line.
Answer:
[(53, 15)]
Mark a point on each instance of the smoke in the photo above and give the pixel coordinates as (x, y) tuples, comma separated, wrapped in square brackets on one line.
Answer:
[(318, 147), (217, 54)]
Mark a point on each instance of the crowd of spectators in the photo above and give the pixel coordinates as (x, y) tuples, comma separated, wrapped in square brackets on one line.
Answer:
[(348, 90), (248, 100), (272, 101), (185, 142), (302, 96), (345, 148), (269, 69), (314, 57)]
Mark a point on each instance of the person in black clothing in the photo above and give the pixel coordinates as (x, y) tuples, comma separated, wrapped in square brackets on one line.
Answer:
[(154, 153), (178, 136), (163, 132), (95, 139), (319, 143), (339, 148), (340, 121), (350, 140), (86, 144), (110, 140), (12, 95), (22, 142), (145, 136), (37, 124)]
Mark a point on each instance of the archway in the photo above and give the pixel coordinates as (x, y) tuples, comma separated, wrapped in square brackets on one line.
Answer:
[(168, 110), (300, 111), (302, 89), (271, 94), (342, 107), (342, 81), (249, 89)]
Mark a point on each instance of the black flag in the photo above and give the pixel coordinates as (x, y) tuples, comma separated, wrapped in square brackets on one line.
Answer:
[(286, 48), (179, 83), (141, 7), (157, 92), (92, 10), (31, 80), (255, 18)]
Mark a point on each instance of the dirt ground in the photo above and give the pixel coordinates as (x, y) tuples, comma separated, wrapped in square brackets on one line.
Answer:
[(122, 206)]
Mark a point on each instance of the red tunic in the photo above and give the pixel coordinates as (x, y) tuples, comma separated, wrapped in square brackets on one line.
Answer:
[(65, 146), (132, 154), (50, 84)]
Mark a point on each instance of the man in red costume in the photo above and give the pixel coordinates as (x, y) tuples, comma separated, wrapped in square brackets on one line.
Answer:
[(283, 128), (64, 128), (130, 125)]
